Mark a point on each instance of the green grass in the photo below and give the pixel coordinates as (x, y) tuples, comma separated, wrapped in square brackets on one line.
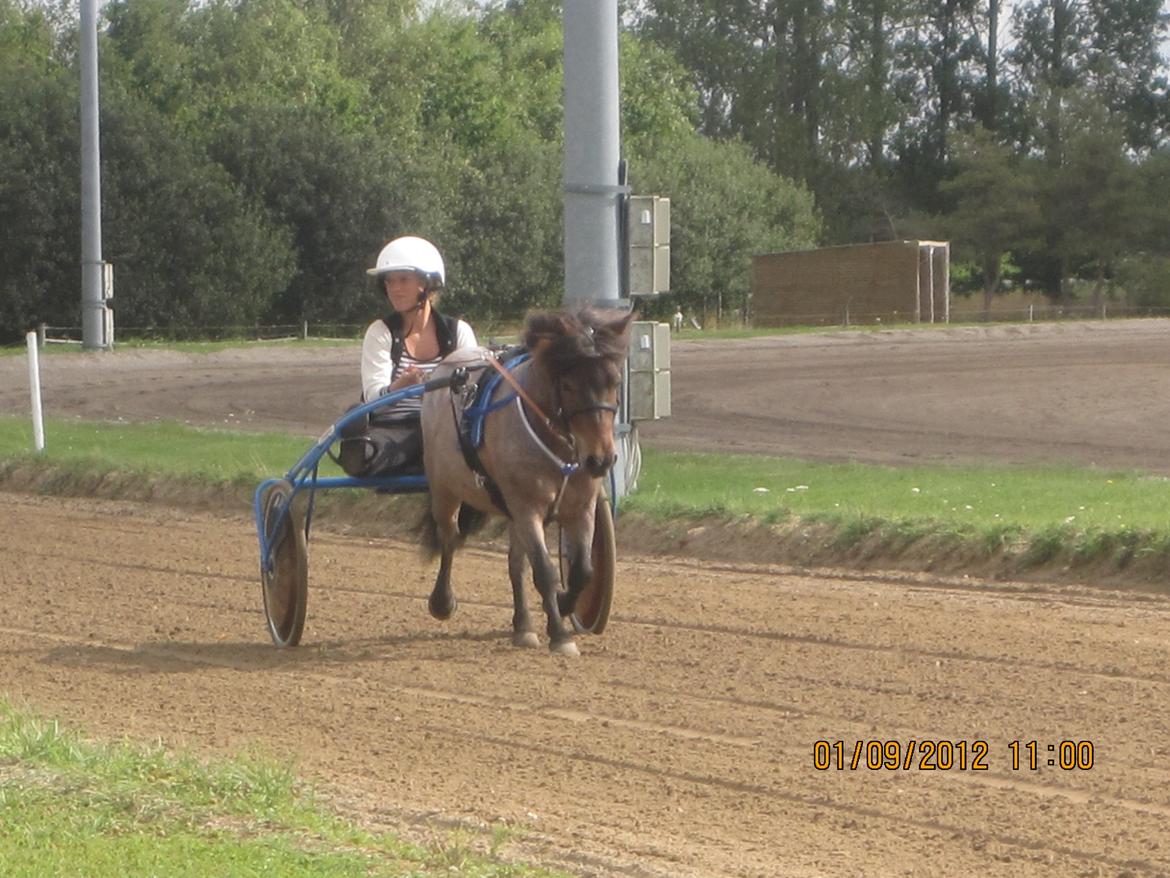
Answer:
[(159, 447), (72, 807), (1029, 498)]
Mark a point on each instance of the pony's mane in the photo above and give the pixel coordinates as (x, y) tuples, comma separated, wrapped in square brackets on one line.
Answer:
[(563, 339)]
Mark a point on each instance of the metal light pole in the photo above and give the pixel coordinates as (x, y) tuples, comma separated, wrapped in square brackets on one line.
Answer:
[(593, 196), (96, 325), (594, 192)]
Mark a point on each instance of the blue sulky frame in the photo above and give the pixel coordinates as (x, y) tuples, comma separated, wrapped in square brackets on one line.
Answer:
[(283, 536)]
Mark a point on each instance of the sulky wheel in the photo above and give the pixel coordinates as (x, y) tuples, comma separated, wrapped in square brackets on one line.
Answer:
[(592, 610), (284, 574)]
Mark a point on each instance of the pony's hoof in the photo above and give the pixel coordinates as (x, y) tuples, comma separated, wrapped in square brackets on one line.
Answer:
[(443, 611), (526, 640), (565, 647)]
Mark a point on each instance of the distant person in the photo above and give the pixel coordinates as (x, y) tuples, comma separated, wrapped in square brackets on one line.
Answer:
[(678, 320), (399, 350)]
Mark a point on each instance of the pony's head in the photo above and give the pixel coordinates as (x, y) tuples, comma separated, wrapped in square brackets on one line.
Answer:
[(582, 352)]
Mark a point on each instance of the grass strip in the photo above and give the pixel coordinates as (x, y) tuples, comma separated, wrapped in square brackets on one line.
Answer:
[(69, 806), (163, 447), (973, 497), (1039, 515)]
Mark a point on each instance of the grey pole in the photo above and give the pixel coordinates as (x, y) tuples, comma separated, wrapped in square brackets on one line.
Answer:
[(593, 194), (592, 152), (93, 309)]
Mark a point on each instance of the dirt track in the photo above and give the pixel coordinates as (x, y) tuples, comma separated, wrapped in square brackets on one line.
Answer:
[(681, 743)]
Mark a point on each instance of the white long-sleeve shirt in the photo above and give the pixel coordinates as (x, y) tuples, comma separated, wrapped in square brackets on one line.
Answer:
[(378, 368)]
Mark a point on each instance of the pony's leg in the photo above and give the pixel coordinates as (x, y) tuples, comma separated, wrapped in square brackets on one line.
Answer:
[(577, 534), (529, 532), (445, 511), (522, 632)]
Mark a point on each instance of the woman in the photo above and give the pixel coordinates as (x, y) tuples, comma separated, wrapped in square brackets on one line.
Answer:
[(399, 350), (404, 347)]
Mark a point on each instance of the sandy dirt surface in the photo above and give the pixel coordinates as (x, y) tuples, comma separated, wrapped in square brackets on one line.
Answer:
[(1085, 393), (682, 742)]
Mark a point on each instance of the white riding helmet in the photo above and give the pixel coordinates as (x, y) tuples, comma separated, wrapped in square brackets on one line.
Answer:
[(412, 254)]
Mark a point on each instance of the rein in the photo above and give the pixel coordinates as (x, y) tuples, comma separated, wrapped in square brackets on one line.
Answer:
[(566, 416), (567, 468), (520, 391)]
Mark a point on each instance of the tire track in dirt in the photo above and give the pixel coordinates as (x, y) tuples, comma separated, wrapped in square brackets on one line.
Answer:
[(680, 744), (660, 622), (463, 698)]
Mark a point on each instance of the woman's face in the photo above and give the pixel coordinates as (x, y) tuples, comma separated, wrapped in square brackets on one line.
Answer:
[(403, 288)]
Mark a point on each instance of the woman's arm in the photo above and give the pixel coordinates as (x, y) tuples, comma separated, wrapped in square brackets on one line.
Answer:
[(377, 366)]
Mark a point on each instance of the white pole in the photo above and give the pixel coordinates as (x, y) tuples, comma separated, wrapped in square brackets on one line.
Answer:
[(34, 383), (94, 317)]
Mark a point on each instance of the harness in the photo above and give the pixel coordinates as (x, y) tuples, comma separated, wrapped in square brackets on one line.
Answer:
[(478, 403)]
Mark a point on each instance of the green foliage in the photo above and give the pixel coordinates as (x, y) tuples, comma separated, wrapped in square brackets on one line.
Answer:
[(190, 247), (724, 206), (256, 155), (998, 208), (873, 106), (39, 177), (1145, 280), (330, 191)]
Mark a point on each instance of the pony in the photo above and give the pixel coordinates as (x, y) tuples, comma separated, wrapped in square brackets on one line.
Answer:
[(548, 439)]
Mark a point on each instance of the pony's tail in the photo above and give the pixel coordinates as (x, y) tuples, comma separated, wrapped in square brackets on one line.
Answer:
[(470, 521)]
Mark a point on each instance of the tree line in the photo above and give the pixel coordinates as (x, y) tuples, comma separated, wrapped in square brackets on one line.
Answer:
[(1032, 134), (256, 154)]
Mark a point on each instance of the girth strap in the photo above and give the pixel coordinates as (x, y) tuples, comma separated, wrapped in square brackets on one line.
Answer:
[(464, 427)]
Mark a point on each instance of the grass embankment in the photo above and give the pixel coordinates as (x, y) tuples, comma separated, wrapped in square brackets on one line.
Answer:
[(1064, 522), (73, 807)]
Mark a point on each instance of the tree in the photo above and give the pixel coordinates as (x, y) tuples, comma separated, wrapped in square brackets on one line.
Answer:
[(190, 248), (1090, 200), (995, 207), (40, 276), (725, 207)]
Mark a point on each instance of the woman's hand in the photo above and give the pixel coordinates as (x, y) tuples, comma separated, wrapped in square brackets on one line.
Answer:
[(410, 376)]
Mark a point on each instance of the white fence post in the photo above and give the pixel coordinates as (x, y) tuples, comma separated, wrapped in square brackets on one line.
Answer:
[(34, 382)]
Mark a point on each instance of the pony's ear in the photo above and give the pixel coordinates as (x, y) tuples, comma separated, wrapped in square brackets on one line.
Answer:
[(621, 326), (618, 327)]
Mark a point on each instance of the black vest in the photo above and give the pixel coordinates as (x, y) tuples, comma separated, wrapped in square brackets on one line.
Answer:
[(446, 331)]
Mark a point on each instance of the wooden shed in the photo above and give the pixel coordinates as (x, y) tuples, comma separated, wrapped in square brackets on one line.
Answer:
[(890, 281)]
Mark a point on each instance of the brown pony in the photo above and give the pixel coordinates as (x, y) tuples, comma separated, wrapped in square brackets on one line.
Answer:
[(542, 459)]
